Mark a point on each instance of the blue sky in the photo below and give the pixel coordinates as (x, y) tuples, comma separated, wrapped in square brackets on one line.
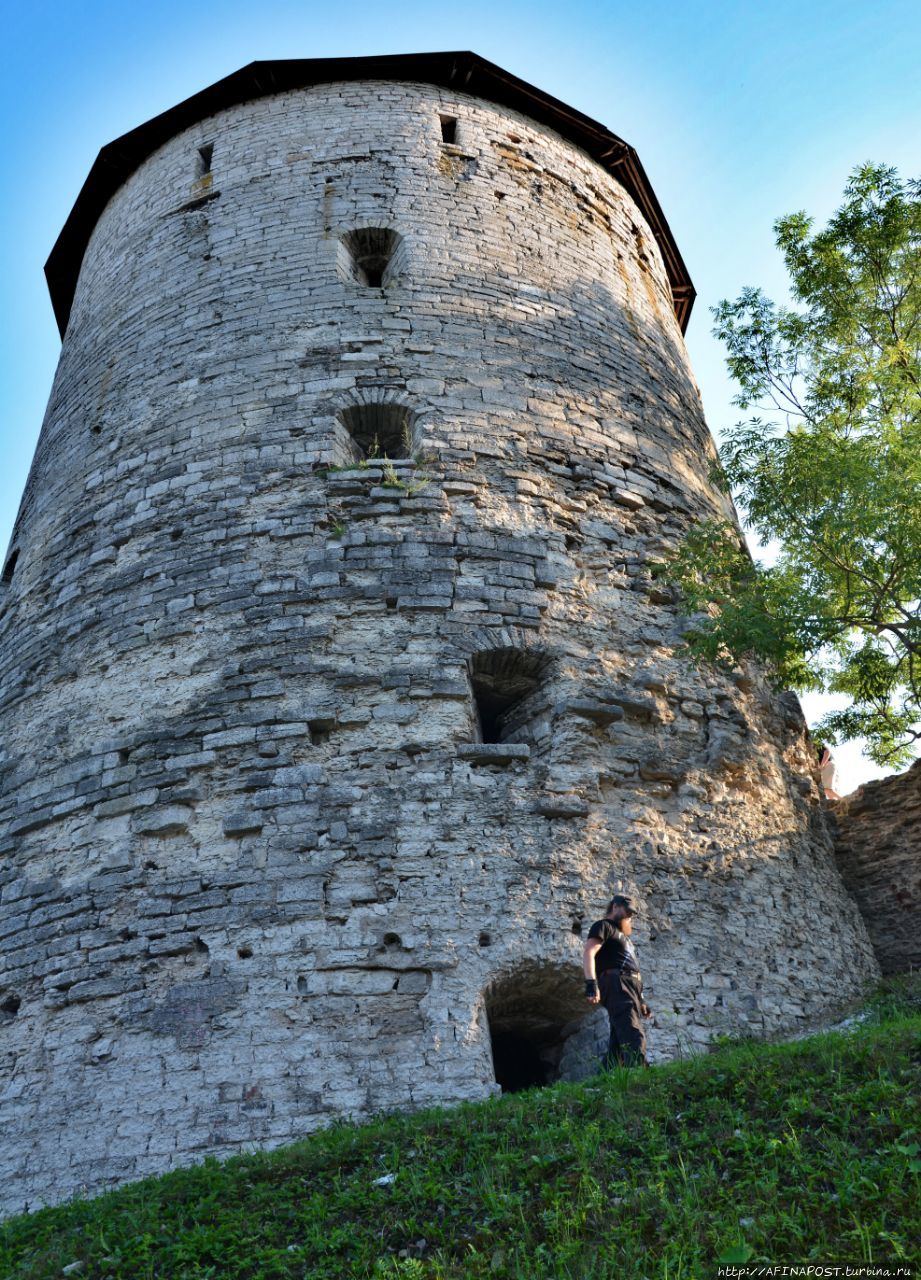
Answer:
[(740, 111)]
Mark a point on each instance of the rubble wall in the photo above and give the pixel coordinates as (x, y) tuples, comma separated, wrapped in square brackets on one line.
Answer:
[(259, 870), (878, 846)]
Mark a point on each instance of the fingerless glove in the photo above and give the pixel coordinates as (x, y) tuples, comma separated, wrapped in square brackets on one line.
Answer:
[(591, 987)]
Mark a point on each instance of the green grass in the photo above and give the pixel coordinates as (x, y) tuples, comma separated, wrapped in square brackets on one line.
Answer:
[(766, 1154)]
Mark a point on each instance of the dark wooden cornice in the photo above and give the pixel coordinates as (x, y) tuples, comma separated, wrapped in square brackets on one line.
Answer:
[(465, 72)]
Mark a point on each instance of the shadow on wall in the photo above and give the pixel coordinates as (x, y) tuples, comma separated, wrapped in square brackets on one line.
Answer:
[(583, 337), (540, 1027), (569, 343)]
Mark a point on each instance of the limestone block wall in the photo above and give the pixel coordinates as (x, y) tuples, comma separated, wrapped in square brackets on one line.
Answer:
[(877, 834), (259, 867)]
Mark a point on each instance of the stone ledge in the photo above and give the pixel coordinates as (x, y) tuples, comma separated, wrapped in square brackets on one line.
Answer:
[(493, 752), (601, 713), (551, 806)]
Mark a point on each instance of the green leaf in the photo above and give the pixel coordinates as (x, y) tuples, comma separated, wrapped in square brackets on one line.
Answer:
[(736, 1254)]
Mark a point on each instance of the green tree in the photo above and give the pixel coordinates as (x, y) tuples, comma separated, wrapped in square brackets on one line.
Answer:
[(828, 471)]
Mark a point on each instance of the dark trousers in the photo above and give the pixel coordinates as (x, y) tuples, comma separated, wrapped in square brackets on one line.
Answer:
[(622, 996)]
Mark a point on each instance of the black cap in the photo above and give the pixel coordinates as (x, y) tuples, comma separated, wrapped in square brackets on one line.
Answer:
[(620, 901)]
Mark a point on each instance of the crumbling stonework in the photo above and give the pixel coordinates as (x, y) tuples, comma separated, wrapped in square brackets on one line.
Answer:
[(878, 847), (313, 774)]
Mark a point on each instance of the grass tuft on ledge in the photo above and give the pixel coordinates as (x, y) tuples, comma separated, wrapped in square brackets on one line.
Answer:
[(762, 1154)]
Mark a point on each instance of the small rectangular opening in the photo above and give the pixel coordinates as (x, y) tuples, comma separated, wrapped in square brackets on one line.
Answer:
[(448, 129), (204, 160)]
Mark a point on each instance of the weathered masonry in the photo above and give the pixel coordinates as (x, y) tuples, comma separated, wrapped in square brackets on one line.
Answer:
[(337, 695), (877, 834)]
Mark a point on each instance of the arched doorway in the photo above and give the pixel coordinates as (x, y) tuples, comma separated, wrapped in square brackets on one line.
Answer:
[(540, 1027)]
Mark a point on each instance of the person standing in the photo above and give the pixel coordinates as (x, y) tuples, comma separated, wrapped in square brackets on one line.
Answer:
[(829, 771), (612, 978)]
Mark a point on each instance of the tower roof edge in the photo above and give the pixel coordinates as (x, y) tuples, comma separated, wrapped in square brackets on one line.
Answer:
[(463, 70)]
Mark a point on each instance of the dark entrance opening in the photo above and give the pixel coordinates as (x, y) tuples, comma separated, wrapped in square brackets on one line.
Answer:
[(532, 1012), (522, 1063)]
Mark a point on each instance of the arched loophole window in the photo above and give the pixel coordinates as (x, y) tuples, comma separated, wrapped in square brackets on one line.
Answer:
[(382, 430), (10, 568), (203, 160), (9, 1007), (503, 682), (366, 255), (532, 1012)]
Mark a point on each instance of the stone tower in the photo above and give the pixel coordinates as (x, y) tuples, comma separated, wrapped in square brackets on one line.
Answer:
[(337, 696)]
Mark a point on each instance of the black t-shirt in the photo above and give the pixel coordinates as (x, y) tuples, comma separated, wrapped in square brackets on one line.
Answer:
[(617, 951)]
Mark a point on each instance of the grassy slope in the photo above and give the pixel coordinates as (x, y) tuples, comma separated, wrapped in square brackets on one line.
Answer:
[(783, 1154)]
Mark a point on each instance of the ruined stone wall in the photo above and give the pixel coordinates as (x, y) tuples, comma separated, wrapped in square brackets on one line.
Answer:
[(258, 867), (877, 833)]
